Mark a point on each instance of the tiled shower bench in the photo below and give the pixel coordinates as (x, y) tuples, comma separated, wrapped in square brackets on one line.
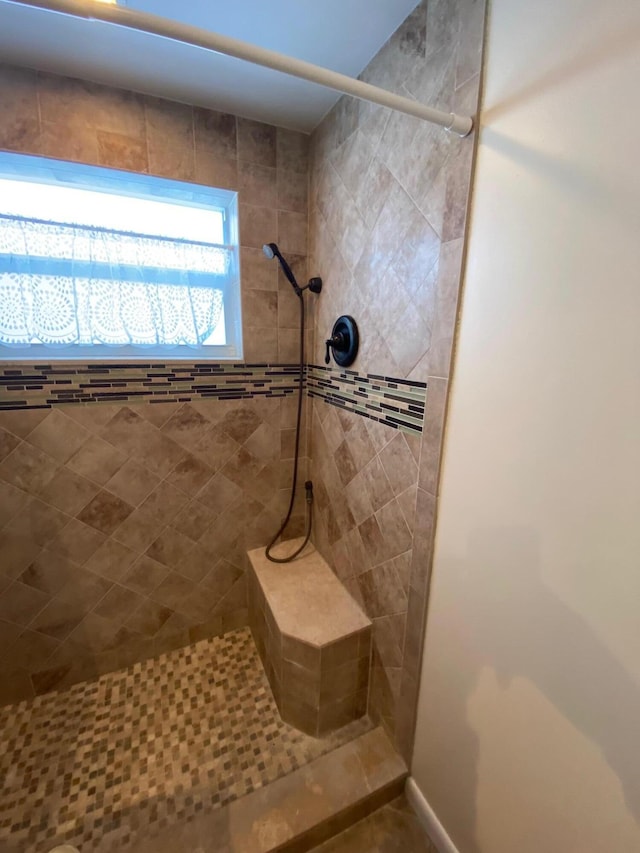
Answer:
[(314, 640)]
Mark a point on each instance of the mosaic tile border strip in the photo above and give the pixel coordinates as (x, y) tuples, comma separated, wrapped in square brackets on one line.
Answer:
[(42, 386), (398, 403)]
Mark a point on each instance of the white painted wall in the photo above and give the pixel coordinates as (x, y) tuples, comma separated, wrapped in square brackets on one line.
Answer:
[(529, 718)]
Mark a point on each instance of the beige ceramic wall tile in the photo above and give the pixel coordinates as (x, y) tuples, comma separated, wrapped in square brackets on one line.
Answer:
[(122, 152), (157, 548), (387, 208), (216, 132), (215, 171), (256, 142), (169, 124), (255, 223), (20, 127)]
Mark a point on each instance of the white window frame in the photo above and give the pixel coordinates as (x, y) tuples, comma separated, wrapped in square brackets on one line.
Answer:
[(138, 185)]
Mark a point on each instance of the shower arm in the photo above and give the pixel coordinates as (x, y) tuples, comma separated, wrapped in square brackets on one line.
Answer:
[(187, 34)]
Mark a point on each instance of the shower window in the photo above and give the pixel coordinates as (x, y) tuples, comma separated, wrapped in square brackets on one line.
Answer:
[(97, 263)]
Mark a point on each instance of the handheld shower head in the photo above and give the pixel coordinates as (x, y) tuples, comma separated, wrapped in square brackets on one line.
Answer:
[(271, 251)]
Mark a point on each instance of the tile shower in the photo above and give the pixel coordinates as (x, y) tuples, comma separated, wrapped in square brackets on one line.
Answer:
[(125, 517)]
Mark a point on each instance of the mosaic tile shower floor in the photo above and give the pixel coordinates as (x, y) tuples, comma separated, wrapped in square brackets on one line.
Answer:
[(162, 741)]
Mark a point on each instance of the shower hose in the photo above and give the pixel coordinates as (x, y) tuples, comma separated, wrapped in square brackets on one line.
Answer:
[(308, 484)]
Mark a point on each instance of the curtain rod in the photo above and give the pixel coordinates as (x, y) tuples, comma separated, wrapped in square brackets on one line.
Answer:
[(154, 24)]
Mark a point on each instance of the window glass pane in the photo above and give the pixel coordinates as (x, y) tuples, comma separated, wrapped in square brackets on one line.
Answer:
[(95, 262), (34, 199)]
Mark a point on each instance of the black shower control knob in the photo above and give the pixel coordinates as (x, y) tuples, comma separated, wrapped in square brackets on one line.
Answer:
[(336, 342)]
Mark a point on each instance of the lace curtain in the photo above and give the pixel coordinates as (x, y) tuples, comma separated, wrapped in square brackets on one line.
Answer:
[(67, 284)]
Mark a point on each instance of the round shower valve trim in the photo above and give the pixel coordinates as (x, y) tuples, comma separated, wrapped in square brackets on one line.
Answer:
[(343, 342)]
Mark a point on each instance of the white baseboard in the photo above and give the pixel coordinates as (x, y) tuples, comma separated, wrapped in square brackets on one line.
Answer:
[(427, 817)]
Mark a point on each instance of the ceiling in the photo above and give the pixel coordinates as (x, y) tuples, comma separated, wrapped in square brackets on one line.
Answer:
[(342, 35)]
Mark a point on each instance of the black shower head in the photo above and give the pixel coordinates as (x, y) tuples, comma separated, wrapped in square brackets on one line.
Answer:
[(271, 251)]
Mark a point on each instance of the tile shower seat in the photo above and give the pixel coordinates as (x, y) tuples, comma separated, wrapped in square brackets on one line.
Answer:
[(314, 640)]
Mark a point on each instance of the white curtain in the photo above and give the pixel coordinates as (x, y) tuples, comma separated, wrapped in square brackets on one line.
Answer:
[(66, 284)]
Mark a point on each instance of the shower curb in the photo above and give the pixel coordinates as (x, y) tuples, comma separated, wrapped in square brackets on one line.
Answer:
[(298, 811)]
